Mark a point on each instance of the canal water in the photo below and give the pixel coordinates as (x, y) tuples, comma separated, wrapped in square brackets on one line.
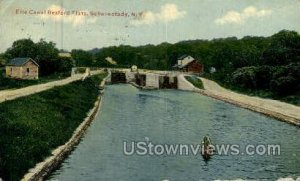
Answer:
[(178, 117)]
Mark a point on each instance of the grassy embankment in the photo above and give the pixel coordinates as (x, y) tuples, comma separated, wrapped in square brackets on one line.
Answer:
[(262, 93), (291, 99), (32, 126), (7, 83), (195, 81)]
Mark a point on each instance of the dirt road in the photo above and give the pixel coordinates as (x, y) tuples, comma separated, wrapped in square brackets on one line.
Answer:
[(13, 94)]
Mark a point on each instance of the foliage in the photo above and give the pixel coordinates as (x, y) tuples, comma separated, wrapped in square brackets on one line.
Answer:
[(282, 80), (224, 54), (47, 57), (195, 81), (284, 85), (284, 48), (21, 48), (2, 60), (44, 53), (31, 127), (245, 77), (64, 65), (263, 76), (82, 58), (248, 63)]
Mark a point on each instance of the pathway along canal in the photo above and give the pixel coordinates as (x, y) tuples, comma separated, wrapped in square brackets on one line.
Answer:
[(178, 117)]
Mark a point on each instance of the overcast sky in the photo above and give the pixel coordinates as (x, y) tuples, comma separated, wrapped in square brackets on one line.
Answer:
[(157, 20)]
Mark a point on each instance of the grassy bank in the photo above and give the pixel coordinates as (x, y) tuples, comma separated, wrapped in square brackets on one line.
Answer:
[(263, 93), (32, 126), (291, 99), (7, 83), (195, 81)]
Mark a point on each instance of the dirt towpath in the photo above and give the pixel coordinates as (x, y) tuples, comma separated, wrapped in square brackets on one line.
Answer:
[(13, 94)]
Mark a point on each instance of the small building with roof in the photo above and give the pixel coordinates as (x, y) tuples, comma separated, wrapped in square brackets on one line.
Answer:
[(134, 68), (65, 54), (187, 63), (22, 68)]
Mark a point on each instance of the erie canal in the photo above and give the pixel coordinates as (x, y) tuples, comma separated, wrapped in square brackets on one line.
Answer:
[(178, 117)]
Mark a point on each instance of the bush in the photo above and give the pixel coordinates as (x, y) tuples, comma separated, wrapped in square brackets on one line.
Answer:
[(245, 77), (2, 63), (284, 85), (195, 81), (263, 75), (64, 65), (282, 80)]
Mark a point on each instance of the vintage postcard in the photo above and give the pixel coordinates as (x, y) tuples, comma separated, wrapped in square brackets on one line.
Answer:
[(164, 90)]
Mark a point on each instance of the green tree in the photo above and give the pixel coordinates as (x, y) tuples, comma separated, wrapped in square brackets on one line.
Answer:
[(245, 77), (21, 48), (46, 57), (283, 49), (285, 85), (64, 65), (2, 60), (82, 58)]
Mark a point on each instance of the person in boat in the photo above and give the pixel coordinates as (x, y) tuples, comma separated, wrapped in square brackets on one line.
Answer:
[(207, 147), (206, 141)]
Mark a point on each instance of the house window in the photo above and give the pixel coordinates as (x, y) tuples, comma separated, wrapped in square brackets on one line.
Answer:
[(27, 71), (11, 71)]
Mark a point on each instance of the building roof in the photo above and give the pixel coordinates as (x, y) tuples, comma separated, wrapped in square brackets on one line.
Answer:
[(182, 66), (20, 61), (182, 57), (65, 54)]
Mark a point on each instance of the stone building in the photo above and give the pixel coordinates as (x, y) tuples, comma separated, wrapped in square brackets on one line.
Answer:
[(22, 68)]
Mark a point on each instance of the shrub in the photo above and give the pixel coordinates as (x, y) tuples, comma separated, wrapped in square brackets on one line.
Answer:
[(195, 81), (284, 85), (245, 77), (263, 75)]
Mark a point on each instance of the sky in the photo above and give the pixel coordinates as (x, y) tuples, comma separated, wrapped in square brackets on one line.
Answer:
[(88, 24)]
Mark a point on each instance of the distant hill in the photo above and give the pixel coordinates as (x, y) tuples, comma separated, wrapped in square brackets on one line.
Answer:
[(95, 50)]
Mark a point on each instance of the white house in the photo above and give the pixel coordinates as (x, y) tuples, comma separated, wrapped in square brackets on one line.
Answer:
[(184, 60)]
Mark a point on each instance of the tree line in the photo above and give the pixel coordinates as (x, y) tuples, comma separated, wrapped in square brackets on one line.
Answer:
[(43, 52), (256, 63)]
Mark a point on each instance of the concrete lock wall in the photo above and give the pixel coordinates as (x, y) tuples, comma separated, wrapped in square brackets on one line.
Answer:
[(168, 82), (130, 76), (118, 77), (145, 79), (140, 80), (152, 80)]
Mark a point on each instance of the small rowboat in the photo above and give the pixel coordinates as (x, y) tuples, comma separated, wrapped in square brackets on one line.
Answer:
[(207, 148)]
